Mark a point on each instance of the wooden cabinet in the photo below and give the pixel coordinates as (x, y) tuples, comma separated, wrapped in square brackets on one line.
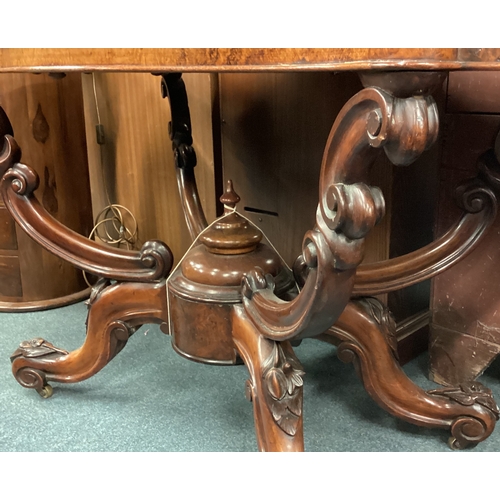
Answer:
[(465, 330), (47, 117)]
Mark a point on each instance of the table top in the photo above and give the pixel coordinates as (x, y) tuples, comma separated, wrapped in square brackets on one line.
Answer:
[(231, 60)]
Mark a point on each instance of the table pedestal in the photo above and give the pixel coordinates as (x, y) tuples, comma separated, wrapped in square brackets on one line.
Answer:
[(394, 114)]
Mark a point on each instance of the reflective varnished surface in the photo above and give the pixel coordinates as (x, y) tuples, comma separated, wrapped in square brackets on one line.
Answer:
[(160, 60)]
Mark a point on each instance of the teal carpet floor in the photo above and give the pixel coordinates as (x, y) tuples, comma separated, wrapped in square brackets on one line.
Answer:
[(149, 399)]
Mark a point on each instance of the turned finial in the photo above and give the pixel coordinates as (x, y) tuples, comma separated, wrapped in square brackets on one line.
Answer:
[(232, 234), (230, 198)]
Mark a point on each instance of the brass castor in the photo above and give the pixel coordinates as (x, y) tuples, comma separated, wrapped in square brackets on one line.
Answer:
[(46, 391)]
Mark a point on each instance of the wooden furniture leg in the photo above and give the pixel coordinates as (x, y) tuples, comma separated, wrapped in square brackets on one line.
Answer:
[(116, 311), (274, 387), (367, 334), (397, 114)]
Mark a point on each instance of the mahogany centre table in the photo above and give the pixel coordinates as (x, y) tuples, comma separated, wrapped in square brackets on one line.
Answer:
[(247, 308)]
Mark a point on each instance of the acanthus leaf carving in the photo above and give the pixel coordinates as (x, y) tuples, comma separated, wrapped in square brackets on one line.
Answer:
[(282, 380), (36, 348), (384, 319), (469, 394)]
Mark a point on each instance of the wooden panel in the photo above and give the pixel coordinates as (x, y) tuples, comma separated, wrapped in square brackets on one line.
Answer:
[(199, 60), (274, 130), (465, 138), (10, 276), (456, 357), (484, 55), (467, 293), (8, 239), (136, 160), (414, 204), (466, 321), (474, 92), (414, 194), (47, 117)]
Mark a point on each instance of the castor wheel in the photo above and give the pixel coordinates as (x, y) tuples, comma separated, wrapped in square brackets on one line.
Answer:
[(455, 444), (46, 391)]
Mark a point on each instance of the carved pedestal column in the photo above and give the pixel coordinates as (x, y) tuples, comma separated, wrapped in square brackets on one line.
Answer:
[(395, 113), (232, 299)]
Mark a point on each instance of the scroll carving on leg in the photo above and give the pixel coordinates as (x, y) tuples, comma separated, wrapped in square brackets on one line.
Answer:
[(115, 310), (404, 126), (115, 313), (365, 330), (348, 209)]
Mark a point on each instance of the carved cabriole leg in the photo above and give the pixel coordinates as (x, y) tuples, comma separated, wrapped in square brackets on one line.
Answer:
[(115, 313), (403, 124), (366, 331), (275, 386)]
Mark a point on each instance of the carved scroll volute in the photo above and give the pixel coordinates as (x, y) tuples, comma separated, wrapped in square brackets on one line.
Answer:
[(10, 154), (23, 180), (371, 120), (17, 183), (348, 209)]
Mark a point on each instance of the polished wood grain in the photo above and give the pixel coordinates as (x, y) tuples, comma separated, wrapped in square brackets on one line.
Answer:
[(135, 165), (367, 334), (273, 134), (275, 386), (198, 60), (259, 309), (206, 287), (348, 209), (19, 181), (47, 118), (116, 311)]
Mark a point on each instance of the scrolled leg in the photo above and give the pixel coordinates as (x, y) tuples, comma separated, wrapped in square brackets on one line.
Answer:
[(274, 387), (366, 332), (402, 121), (115, 312)]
